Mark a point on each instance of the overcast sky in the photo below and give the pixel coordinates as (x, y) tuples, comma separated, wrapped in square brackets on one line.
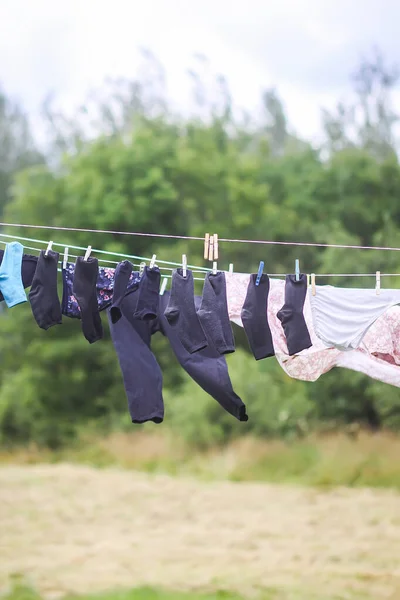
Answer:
[(306, 48)]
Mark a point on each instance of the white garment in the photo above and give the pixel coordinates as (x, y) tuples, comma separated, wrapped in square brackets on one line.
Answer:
[(342, 316)]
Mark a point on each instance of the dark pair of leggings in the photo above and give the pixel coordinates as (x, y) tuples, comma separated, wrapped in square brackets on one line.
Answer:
[(142, 375), (207, 326), (291, 315)]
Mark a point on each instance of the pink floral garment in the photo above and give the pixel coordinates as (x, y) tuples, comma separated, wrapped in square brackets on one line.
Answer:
[(378, 355)]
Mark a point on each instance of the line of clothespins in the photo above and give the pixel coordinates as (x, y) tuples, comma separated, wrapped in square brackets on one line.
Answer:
[(211, 253)]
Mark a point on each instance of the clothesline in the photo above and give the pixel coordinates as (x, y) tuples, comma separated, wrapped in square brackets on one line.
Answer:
[(196, 238), (197, 270)]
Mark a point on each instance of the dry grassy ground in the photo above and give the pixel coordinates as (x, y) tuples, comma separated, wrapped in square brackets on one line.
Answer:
[(73, 528)]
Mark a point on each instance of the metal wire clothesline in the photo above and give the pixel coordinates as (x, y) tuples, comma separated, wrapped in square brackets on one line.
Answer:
[(195, 268)]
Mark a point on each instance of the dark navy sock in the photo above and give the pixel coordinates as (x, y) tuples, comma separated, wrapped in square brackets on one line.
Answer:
[(255, 318), (213, 314), (291, 315), (149, 289), (121, 278), (181, 314), (43, 296), (84, 290)]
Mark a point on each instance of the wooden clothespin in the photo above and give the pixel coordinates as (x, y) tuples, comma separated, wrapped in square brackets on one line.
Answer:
[(313, 288), (87, 253), (378, 283), (215, 247), (65, 260), (211, 249), (206, 245), (49, 245)]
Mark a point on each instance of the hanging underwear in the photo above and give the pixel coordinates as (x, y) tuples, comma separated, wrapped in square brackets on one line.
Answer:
[(342, 316), (105, 287)]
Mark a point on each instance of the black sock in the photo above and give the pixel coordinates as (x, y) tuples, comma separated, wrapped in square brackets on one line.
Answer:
[(84, 290), (181, 312), (149, 289), (43, 296), (213, 313), (255, 318), (121, 278), (291, 315)]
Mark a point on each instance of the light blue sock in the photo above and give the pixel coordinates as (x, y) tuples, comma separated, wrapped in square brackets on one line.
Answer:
[(11, 284)]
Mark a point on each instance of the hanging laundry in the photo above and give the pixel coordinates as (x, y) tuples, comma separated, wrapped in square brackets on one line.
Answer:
[(213, 314), (84, 290), (378, 357), (43, 295), (123, 273), (291, 314), (206, 367), (149, 289), (342, 316), (11, 285), (181, 314), (254, 315), (140, 371), (104, 288), (28, 269)]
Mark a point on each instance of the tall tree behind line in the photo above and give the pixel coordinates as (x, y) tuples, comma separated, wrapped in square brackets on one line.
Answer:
[(369, 120), (17, 146)]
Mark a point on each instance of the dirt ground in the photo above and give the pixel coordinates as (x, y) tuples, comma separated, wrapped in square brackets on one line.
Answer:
[(72, 528)]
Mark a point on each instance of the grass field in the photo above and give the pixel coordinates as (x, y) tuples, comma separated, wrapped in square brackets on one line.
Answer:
[(364, 460), (69, 529)]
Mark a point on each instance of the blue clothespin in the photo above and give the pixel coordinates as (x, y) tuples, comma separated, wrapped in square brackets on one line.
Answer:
[(260, 272), (297, 269)]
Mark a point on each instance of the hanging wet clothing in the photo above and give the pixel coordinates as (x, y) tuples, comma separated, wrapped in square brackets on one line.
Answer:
[(291, 314), (254, 315), (342, 316), (180, 312), (43, 296), (104, 288), (28, 269), (206, 367), (140, 371), (147, 297), (84, 290), (123, 273), (213, 314), (11, 285)]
